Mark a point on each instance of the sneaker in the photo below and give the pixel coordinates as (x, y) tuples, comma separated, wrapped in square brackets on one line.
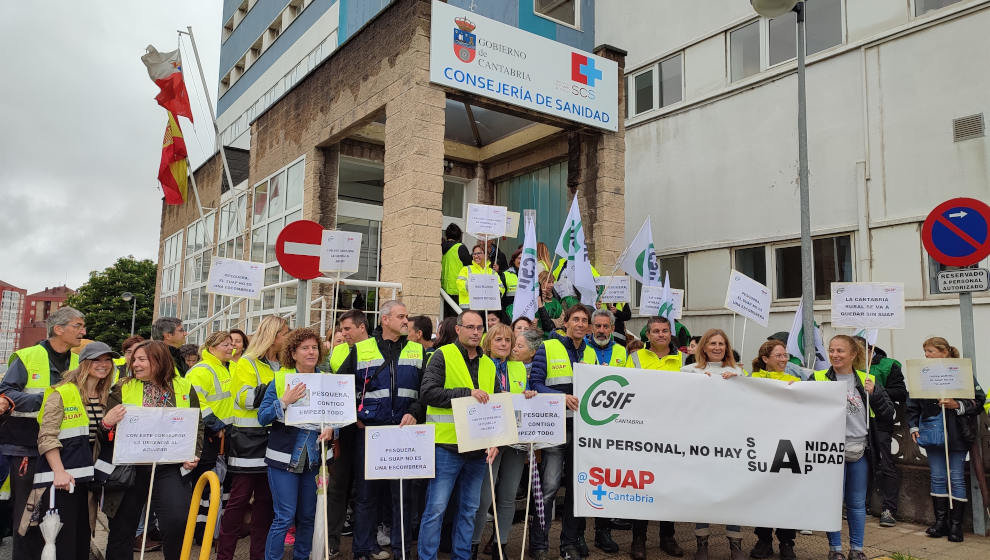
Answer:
[(334, 551), (836, 555), (857, 555), (806, 532), (380, 555), (290, 538), (348, 528), (887, 519), (383, 535)]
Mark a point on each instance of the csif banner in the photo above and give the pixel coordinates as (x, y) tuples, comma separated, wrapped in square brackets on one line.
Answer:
[(688, 447)]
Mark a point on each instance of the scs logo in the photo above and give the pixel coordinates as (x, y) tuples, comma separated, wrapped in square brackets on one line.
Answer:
[(604, 395)]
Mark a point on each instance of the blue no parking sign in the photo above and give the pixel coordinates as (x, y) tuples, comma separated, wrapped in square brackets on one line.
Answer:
[(957, 232)]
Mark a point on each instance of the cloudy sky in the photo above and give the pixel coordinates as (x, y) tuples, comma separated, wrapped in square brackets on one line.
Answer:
[(82, 133)]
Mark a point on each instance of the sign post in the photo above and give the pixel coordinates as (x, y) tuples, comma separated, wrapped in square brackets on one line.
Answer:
[(297, 249), (957, 233)]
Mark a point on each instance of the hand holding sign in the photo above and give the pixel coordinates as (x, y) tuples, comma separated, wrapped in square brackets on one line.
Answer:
[(480, 425)]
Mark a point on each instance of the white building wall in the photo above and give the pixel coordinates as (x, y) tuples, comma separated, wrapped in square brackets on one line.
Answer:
[(718, 170)]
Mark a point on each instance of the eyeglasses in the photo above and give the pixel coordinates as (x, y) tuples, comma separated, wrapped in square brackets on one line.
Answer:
[(472, 327), (781, 356)]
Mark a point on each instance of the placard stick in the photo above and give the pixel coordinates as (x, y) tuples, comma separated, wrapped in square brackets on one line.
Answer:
[(733, 325), (147, 510), (742, 343), (869, 366), (402, 521), (336, 303), (948, 474), (498, 535), (529, 494), (326, 486)]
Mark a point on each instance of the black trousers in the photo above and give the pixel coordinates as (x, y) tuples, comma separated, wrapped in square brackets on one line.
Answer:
[(73, 510), (639, 528), (339, 485), (887, 477), (783, 535), (27, 547), (169, 502)]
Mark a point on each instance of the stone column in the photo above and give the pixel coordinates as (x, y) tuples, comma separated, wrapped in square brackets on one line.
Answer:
[(411, 232)]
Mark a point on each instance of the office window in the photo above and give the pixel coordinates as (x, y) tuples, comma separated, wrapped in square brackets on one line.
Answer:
[(643, 90), (752, 261), (675, 267), (783, 38), (823, 29), (671, 90), (832, 262), (453, 199), (924, 6), (171, 258), (744, 51), (195, 299), (564, 11)]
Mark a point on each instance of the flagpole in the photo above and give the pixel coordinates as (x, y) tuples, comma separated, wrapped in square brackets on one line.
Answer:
[(209, 105), (199, 204)]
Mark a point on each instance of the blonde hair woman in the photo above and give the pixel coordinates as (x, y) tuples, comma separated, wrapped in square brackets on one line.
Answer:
[(247, 440)]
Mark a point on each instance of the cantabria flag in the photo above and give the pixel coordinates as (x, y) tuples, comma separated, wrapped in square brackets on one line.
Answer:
[(640, 261), (795, 341), (571, 246), (525, 302)]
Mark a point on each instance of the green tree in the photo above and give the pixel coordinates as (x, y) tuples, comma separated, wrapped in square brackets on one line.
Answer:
[(108, 317)]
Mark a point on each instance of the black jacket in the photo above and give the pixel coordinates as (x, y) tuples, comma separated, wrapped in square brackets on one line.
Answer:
[(962, 428), (390, 350), (893, 385)]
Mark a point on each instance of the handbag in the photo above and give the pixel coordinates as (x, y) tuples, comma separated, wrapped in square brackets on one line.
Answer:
[(930, 432), (122, 478)]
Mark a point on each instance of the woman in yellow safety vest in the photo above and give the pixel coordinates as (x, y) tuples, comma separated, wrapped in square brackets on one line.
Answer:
[(247, 441), (293, 455), (66, 437), (508, 466), (866, 401), (153, 384), (479, 265), (769, 363)]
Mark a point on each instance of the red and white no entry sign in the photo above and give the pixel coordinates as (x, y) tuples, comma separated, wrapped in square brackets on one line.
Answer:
[(298, 249)]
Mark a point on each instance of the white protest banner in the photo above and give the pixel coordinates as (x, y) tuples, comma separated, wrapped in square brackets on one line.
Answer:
[(487, 222), (651, 297), (694, 458), (748, 298), (942, 378), (869, 305), (329, 400), (231, 277), (482, 425), (156, 435), (399, 452), (340, 251), (541, 419), (617, 289), (483, 290)]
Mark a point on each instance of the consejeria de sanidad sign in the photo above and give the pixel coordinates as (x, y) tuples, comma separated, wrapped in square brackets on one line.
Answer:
[(491, 59)]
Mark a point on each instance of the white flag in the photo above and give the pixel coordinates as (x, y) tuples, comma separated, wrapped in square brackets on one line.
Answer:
[(870, 335), (795, 340), (667, 306), (640, 261), (525, 302), (571, 245)]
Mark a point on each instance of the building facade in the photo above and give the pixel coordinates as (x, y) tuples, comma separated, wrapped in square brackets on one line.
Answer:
[(896, 108), (364, 141), (37, 307), (11, 312)]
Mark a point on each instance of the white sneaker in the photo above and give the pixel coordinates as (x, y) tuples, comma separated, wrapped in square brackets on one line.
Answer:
[(380, 555), (383, 536), (807, 532)]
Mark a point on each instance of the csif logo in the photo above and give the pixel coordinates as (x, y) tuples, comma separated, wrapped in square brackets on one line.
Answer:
[(527, 270), (646, 264), (598, 398)]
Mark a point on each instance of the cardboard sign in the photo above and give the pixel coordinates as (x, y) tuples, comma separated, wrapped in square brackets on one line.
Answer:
[(156, 435), (487, 222), (329, 400), (943, 378), (748, 298), (511, 224), (650, 298), (399, 452), (868, 305), (484, 293), (483, 425), (541, 419), (340, 252), (617, 289), (231, 277)]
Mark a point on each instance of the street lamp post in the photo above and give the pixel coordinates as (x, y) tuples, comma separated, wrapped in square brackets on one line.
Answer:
[(127, 296), (772, 9)]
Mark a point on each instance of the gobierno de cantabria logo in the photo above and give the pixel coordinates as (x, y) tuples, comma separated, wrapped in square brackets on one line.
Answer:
[(465, 42)]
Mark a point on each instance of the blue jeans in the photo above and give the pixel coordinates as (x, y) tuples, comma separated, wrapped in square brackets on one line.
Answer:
[(957, 468), (452, 469), (371, 497), (854, 493), (294, 501)]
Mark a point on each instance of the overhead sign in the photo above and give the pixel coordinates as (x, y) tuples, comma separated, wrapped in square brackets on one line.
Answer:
[(941, 378), (297, 249), (485, 57), (964, 280), (636, 460), (329, 400), (748, 298), (868, 305), (230, 277), (340, 251), (487, 222), (956, 232), (156, 435), (399, 452)]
